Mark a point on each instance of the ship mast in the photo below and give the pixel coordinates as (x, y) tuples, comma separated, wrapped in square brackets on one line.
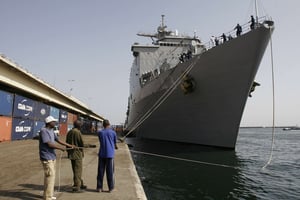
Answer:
[(161, 30), (256, 11), (163, 21)]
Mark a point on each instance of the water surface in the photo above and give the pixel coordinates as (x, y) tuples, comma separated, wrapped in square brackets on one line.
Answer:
[(212, 173)]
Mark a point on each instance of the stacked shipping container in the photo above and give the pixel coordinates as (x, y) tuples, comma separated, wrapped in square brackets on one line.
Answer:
[(63, 119), (41, 111), (6, 104), (22, 117), (71, 118)]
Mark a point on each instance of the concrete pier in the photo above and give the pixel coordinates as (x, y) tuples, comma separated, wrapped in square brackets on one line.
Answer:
[(21, 174)]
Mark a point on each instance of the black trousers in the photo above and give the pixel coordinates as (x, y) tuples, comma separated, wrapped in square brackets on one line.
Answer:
[(106, 165)]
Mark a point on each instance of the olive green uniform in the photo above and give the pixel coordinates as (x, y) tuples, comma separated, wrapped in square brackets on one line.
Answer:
[(76, 155)]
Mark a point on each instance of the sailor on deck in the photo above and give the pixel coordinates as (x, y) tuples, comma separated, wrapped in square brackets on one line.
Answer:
[(238, 29)]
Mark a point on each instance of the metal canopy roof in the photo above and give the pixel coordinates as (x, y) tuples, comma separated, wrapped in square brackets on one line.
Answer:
[(15, 77)]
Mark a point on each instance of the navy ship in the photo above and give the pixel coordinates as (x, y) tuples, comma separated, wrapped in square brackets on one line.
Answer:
[(183, 90)]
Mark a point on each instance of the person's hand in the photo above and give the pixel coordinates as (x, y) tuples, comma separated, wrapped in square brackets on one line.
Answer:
[(75, 147), (71, 146), (116, 147)]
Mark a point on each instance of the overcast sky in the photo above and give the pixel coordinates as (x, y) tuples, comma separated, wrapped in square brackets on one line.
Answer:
[(82, 47)]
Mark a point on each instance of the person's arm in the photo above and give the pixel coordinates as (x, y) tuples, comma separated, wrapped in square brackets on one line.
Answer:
[(56, 138), (55, 146), (80, 142), (78, 138), (65, 144), (45, 138), (115, 140)]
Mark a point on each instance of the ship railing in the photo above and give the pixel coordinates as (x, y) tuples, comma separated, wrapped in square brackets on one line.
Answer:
[(232, 33)]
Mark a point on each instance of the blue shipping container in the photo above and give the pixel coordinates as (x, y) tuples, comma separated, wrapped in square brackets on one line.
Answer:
[(23, 107), (63, 116), (22, 129), (54, 112), (41, 111), (6, 103), (37, 127)]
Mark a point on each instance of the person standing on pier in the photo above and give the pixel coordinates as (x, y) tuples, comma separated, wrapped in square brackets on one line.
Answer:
[(108, 144), (76, 155), (47, 147)]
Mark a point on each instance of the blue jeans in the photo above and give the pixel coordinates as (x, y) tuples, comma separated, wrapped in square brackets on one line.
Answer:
[(105, 164)]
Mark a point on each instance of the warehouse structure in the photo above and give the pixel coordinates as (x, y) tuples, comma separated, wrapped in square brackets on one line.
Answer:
[(25, 101)]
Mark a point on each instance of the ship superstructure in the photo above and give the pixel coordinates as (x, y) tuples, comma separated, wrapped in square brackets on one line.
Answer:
[(168, 49)]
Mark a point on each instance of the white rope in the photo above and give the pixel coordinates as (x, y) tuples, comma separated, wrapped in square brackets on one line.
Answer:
[(59, 167), (273, 92), (184, 159), (166, 94)]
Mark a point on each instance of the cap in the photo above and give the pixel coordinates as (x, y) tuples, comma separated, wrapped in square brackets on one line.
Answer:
[(50, 119)]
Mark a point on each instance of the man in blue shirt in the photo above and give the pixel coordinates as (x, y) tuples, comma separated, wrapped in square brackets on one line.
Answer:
[(47, 148), (108, 144)]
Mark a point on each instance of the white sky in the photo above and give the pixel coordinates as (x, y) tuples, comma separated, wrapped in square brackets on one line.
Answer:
[(89, 41)]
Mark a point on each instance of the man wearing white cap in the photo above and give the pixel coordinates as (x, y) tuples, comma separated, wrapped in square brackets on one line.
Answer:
[(47, 155)]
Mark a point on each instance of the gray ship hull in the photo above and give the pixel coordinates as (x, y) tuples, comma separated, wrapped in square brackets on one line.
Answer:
[(211, 114)]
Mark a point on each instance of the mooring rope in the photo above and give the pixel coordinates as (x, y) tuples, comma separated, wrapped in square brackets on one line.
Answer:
[(162, 98), (273, 101), (184, 159), (59, 167)]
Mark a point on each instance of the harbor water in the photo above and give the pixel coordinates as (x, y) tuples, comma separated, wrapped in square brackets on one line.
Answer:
[(183, 171)]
